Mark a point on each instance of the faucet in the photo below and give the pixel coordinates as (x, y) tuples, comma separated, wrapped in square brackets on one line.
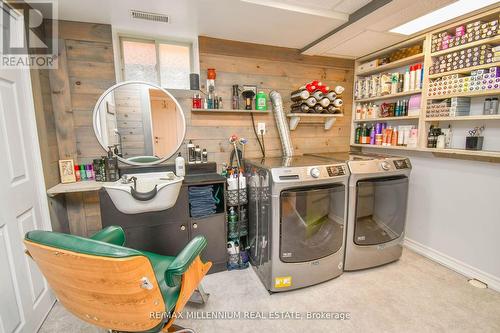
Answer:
[(133, 179), (126, 180)]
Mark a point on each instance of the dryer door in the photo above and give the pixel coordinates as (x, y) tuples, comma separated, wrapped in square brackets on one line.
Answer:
[(311, 222), (380, 210)]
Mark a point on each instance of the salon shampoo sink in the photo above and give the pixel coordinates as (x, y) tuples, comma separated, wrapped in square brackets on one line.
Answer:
[(152, 192)]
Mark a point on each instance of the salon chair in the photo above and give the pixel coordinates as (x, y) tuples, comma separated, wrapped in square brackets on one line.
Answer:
[(114, 287)]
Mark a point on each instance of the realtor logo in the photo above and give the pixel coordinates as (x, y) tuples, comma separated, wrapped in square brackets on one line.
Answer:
[(28, 35)]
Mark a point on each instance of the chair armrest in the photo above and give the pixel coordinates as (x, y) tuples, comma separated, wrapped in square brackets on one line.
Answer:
[(183, 260), (112, 235)]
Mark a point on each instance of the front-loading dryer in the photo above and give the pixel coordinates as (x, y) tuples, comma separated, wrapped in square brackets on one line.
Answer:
[(297, 213), (378, 195)]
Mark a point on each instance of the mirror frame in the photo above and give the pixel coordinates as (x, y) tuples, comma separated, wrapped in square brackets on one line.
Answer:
[(109, 90)]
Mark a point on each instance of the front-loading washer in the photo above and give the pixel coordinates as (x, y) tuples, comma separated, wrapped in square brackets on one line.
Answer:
[(378, 195), (297, 213)]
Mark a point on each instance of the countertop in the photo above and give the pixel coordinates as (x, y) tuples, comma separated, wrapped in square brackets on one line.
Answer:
[(92, 185)]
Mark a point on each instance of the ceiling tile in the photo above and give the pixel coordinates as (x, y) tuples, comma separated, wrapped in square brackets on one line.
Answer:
[(363, 43)]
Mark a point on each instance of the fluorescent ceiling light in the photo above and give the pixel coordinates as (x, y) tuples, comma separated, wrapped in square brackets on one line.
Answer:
[(302, 10), (441, 15)]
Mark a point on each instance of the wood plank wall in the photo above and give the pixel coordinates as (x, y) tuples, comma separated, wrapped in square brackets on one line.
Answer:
[(68, 95), (270, 68)]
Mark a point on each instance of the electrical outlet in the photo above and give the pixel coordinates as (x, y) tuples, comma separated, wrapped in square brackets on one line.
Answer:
[(261, 128)]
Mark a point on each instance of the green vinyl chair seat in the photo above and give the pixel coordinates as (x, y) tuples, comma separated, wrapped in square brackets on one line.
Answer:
[(160, 265)]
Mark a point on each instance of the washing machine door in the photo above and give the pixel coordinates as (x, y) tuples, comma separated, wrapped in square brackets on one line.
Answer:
[(311, 222), (380, 210)]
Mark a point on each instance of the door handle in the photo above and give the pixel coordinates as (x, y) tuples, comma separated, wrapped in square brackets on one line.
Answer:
[(183, 227), (195, 226)]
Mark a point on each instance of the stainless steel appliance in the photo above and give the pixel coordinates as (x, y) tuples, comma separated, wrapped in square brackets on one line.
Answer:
[(378, 194), (297, 212)]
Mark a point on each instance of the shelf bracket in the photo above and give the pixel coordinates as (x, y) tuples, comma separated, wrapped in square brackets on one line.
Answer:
[(329, 123), (294, 121)]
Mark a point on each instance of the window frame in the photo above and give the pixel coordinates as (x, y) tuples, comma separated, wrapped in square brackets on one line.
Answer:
[(156, 42)]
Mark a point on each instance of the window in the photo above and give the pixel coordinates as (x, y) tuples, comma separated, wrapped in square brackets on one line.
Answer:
[(166, 64)]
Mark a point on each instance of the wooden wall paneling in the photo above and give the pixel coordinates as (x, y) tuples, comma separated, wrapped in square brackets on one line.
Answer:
[(61, 103), (86, 70), (76, 214), (59, 214), (269, 68), (251, 50), (92, 212), (45, 128), (89, 32), (91, 72)]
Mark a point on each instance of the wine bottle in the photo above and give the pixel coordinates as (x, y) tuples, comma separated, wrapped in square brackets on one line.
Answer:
[(324, 89), (324, 102), (332, 109), (318, 108), (339, 90), (338, 102), (311, 101), (331, 95), (299, 95), (318, 94), (300, 108)]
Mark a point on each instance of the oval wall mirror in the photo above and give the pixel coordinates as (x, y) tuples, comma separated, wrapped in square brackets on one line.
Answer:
[(141, 122)]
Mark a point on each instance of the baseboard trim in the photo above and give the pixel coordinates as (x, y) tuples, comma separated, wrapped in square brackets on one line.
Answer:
[(458, 266)]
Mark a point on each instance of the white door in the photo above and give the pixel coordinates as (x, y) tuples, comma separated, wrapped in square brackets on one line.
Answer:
[(25, 298)]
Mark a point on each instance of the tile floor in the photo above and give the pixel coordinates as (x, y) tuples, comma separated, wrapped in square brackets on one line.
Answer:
[(413, 294)]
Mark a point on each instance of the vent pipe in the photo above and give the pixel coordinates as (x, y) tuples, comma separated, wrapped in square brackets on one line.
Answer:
[(281, 123)]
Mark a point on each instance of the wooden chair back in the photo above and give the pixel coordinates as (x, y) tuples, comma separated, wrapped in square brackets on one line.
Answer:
[(108, 292)]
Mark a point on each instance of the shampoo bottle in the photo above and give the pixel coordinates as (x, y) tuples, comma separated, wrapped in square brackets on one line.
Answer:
[(418, 77), (412, 77), (191, 153), (111, 166), (180, 170), (406, 84)]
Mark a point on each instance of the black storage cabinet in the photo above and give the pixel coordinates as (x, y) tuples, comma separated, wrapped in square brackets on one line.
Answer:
[(167, 232)]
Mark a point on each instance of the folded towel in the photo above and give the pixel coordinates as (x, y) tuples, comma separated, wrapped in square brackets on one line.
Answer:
[(201, 200)]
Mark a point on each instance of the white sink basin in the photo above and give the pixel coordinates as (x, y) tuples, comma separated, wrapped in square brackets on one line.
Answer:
[(145, 198)]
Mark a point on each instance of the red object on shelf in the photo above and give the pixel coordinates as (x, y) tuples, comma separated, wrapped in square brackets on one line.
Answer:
[(211, 74), (324, 89), (310, 87)]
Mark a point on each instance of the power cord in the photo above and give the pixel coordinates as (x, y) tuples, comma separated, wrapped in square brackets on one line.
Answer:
[(261, 144)]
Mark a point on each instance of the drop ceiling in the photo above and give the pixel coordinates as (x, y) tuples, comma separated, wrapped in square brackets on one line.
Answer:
[(287, 23)]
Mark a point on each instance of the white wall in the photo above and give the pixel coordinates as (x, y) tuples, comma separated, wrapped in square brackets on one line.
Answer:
[(454, 214)]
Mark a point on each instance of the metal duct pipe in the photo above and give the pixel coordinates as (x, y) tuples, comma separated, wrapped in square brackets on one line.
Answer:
[(281, 123)]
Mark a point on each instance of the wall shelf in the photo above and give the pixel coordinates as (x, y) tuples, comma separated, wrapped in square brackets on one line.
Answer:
[(386, 119), (327, 118), (464, 70), (82, 186), (383, 147), (468, 94), (227, 111), (395, 64), (495, 39), (465, 118), (421, 122), (401, 94), (465, 152)]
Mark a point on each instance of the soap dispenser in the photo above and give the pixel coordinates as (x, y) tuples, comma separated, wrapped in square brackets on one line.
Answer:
[(111, 165), (180, 170)]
